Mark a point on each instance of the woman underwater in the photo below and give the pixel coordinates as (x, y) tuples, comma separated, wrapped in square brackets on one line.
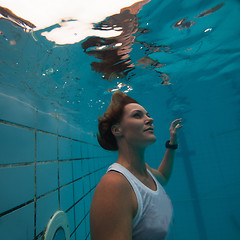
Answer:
[(129, 203)]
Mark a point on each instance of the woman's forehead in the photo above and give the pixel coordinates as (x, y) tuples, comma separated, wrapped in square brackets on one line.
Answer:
[(133, 107)]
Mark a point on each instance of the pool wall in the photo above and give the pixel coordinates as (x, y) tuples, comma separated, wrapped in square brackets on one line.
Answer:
[(46, 165)]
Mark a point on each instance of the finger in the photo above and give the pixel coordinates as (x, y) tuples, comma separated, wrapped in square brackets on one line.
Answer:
[(173, 125), (177, 121), (178, 126)]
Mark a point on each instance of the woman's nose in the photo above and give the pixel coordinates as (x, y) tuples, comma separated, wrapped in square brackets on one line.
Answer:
[(149, 121)]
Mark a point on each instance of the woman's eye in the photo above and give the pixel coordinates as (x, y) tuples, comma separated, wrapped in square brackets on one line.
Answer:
[(137, 115)]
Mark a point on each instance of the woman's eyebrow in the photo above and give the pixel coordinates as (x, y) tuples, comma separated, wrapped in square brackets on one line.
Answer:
[(139, 111), (136, 110)]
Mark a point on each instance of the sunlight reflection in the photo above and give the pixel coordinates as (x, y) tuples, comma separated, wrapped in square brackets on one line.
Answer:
[(74, 19)]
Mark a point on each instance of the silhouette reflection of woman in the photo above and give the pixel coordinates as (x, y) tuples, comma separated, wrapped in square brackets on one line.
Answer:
[(114, 51)]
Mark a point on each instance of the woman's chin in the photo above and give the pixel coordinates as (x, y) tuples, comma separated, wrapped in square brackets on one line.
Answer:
[(151, 140)]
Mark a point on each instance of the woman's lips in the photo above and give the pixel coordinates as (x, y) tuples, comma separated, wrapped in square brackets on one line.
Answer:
[(148, 129)]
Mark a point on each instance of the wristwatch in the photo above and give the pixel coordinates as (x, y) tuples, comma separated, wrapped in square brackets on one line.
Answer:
[(171, 146)]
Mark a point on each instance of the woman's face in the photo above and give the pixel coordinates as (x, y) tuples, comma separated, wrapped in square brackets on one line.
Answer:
[(137, 126)]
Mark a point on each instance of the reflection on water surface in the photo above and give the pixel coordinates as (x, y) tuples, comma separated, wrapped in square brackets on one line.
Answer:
[(113, 53)]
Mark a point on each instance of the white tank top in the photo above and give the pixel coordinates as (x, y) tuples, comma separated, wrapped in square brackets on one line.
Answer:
[(155, 210)]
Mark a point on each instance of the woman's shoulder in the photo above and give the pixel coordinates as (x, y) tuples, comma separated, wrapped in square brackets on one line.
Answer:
[(109, 208), (113, 189), (113, 181), (111, 193)]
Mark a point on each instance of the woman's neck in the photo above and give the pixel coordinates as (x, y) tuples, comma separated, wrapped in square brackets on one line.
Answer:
[(132, 158)]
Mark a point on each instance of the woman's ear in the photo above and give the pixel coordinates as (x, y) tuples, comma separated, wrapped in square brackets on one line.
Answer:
[(116, 130)]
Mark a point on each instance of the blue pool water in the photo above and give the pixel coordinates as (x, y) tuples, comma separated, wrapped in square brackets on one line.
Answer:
[(177, 58)]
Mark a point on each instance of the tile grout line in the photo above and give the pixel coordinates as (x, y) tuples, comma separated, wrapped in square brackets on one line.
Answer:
[(58, 163), (47, 162), (79, 224), (35, 177), (84, 206), (16, 208), (42, 131), (87, 236), (37, 198), (84, 186), (74, 210), (16, 125)]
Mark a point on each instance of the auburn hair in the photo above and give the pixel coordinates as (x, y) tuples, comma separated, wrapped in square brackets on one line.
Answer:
[(113, 115)]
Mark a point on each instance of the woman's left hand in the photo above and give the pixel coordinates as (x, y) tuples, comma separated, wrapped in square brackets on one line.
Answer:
[(173, 131)]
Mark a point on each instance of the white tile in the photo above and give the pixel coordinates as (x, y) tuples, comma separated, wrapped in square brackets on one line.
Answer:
[(16, 186), (185, 210), (46, 207), (85, 166), (90, 151), (77, 169), (86, 185), (87, 222), (66, 197), (64, 148), (88, 201), (97, 151), (16, 110), (70, 216), (79, 209), (81, 231), (93, 181), (85, 147), (104, 152), (18, 224), (46, 147), (73, 237), (46, 122), (17, 145), (78, 190), (65, 172), (76, 133), (47, 178), (93, 163), (64, 129), (76, 149), (89, 138)]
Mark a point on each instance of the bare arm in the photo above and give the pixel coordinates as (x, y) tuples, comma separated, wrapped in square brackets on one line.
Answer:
[(111, 211), (164, 171)]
